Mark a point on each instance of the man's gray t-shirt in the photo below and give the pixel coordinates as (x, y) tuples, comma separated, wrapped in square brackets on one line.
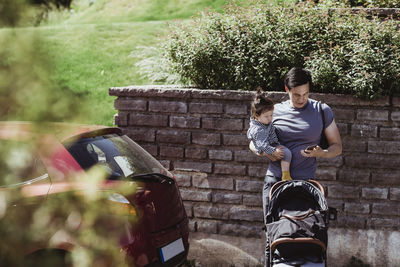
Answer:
[(296, 129)]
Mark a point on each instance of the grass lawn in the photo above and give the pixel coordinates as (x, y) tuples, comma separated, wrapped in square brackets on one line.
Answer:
[(93, 47), (90, 58)]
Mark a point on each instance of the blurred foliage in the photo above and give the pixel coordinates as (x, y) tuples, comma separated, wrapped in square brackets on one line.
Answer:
[(248, 47), (26, 89), (85, 216), (50, 3)]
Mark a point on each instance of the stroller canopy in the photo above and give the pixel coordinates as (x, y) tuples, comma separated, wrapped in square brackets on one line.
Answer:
[(295, 198)]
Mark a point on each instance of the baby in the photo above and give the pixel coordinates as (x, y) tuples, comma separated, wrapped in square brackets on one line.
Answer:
[(262, 133)]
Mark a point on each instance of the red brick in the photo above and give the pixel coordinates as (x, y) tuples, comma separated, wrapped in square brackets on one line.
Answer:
[(166, 164), (374, 193), (336, 203), (222, 124), (220, 154), (354, 176), (372, 115), (152, 149), (209, 227), (345, 115), (227, 198), (207, 108), (183, 179), (384, 147), (121, 119), (206, 138), (386, 208), (188, 209), (380, 222), (213, 183), (363, 130), (248, 156), (193, 166), (394, 194), (246, 214), (253, 200), (395, 116), (341, 100), (211, 212), (195, 153), (235, 139), (147, 135), (232, 169), (390, 133), (361, 208), (326, 174), (343, 129), (386, 178), (130, 104), (173, 136), (184, 122), (195, 195), (376, 161), (396, 102), (256, 170), (171, 151), (342, 191), (236, 109), (249, 186), (350, 221), (352, 144), (331, 162), (192, 226), (167, 106), (147, 120)]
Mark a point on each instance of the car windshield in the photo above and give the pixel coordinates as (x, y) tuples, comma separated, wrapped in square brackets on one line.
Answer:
[(120, 156)]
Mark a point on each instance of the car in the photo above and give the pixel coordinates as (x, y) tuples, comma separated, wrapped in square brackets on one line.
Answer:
[(41, 163)]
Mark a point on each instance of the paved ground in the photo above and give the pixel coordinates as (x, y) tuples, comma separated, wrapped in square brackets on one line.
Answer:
[(209, 250)]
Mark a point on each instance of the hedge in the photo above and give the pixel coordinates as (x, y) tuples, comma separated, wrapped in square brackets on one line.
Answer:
[(255, 46)]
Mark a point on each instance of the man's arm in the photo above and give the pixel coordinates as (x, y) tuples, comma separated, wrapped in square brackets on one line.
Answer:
[(335, 141), (335, 144)]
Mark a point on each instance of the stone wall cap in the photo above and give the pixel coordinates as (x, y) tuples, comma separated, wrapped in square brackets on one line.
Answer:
[(184, 92)]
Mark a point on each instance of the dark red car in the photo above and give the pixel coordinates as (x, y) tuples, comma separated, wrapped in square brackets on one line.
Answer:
[(158, 233)]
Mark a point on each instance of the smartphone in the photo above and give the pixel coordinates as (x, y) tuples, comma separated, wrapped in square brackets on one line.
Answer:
[(310, 148)]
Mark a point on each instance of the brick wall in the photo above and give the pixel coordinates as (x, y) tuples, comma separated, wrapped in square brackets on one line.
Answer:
[(201, 136)]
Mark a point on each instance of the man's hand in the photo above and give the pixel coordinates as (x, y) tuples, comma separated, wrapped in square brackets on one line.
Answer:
[(278, 153), (316, 151), (271, 157)]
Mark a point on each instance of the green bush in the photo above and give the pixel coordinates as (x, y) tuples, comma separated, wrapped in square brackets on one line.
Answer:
[(374, 3), (255, 46)]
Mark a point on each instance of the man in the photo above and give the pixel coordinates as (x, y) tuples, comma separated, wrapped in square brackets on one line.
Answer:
[(298, 122)]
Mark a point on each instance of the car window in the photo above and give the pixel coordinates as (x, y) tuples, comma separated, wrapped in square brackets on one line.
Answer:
[(120, 156), (19, 163)]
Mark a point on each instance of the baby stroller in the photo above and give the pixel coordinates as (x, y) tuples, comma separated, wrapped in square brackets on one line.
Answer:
[(297, 224)]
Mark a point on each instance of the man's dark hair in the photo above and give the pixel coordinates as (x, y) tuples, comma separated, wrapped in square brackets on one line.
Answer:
[(296, 77)]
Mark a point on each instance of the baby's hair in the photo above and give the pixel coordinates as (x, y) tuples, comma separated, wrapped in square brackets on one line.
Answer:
[(261, 103)]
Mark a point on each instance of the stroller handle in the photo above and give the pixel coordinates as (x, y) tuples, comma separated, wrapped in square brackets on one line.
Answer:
[(298, 240), (279, 183)]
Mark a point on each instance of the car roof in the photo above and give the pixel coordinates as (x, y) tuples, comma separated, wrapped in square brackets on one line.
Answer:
[(22, 130)]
